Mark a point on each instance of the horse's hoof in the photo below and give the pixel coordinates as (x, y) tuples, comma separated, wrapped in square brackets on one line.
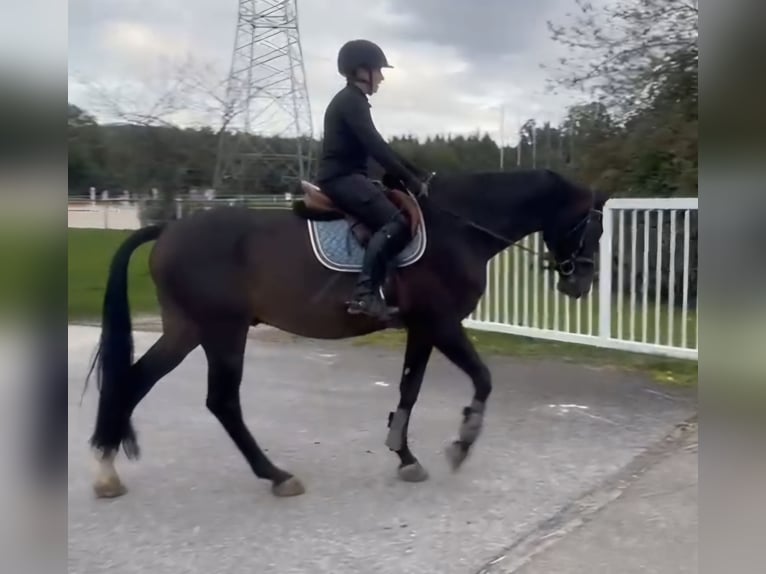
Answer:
[(456, 453), (111, 488), (414, 472), (289, 487)]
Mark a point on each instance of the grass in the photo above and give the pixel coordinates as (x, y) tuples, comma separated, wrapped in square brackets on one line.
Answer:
[(668, 371), (90, 252)]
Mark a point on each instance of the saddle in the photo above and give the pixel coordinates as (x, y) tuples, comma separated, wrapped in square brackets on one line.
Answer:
[(316, 206)]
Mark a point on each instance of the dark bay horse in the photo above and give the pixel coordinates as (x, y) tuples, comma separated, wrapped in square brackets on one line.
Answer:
[(220, 271)]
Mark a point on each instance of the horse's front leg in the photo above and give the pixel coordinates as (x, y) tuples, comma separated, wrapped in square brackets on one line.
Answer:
[(416, 357), (454, 343)]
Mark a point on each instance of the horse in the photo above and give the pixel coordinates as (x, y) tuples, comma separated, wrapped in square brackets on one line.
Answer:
[(220, 271)]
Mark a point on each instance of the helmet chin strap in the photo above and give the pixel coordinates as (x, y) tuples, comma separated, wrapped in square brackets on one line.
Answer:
[(367, 82)]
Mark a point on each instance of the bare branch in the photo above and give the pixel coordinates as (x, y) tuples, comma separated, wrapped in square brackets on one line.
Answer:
[(619, 51), (189, 89)]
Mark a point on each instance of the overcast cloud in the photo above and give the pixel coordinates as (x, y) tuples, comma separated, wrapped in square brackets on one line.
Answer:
[(455, 61)]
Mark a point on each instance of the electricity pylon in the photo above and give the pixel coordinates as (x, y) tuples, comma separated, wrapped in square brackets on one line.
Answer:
[(268, 141)]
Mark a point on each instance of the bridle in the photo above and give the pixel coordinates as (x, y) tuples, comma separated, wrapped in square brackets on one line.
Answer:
[(568, 266)]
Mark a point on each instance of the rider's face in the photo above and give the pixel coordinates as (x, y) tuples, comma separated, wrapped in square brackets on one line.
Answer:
[(373, 78), (377, 78)]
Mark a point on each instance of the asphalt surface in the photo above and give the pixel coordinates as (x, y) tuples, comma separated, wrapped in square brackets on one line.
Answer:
[(553, 432), (650, 528)]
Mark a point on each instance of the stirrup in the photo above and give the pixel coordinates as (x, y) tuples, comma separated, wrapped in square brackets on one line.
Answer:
[(371, 305)]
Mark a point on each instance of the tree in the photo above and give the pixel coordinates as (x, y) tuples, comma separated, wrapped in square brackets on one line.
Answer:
[(624, 53), (86, 151), (639, 60)]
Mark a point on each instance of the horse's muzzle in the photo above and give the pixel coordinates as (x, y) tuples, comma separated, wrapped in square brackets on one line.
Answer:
[(574, 286)]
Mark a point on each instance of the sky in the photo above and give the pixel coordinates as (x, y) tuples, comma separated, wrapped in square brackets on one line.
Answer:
[(459, 66)]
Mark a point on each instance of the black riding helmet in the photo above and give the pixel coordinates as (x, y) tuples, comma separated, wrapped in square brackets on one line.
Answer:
[(356, 54)]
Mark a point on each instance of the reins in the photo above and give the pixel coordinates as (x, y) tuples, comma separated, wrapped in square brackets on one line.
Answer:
[(569, 262)]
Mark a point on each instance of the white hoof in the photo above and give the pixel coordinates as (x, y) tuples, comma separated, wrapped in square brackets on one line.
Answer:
[(109, 488)]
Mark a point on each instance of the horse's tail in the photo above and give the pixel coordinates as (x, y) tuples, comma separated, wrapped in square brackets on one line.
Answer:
[(114, 355)]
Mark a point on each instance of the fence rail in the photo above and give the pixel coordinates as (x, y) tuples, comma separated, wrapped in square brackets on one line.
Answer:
[(646, 302), (120, 213)]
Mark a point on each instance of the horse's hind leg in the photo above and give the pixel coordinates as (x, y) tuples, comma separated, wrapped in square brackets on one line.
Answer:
[(225, 349), (166, 354), (454, 343)]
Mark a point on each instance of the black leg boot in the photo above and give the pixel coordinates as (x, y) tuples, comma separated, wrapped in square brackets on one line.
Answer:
[(382, 247)]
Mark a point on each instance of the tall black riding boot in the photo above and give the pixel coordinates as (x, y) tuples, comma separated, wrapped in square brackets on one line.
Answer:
[(381, 249)]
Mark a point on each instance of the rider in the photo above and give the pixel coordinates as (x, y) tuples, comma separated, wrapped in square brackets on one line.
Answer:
[(349, 139)]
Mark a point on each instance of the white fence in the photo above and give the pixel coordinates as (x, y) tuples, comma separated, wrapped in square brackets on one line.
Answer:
[(103, 214), (647, 303), (118, 213)]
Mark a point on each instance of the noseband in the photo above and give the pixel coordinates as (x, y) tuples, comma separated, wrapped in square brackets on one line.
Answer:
[(568, 266)]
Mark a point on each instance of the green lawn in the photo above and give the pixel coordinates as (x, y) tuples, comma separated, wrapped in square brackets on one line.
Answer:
[(90, 252), (668, 371)]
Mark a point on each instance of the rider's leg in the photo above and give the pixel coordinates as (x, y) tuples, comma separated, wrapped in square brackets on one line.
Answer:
[(361, 198), (384, 245)]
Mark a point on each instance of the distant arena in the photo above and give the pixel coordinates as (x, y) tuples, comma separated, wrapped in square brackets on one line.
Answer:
[(92, 215)]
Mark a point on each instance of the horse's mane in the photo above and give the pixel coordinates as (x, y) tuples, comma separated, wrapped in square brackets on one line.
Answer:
[(491, 197), (491, 194), (488, 183)]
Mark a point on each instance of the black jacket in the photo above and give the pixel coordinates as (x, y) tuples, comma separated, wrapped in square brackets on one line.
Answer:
[(350, 138)]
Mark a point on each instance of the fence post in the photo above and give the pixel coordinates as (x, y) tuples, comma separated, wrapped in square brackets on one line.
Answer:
[(605, 275)]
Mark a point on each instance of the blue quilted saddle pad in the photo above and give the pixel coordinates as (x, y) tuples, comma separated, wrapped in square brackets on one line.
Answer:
[(336, 247)]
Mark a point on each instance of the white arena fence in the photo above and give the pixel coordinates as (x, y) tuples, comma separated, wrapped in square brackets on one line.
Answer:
[(647, 304), (121, 213), (103, 214)]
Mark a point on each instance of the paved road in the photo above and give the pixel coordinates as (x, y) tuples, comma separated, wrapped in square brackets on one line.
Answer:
[(649, 525), (553, 432)]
